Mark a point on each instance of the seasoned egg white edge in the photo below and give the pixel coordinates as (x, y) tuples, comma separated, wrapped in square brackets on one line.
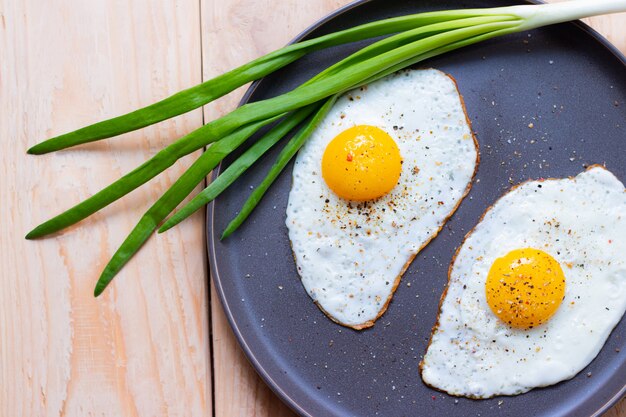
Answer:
[(583, 226), (445, 154)]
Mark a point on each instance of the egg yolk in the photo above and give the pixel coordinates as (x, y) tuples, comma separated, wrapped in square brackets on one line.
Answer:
[(361, 163), (525, 287)]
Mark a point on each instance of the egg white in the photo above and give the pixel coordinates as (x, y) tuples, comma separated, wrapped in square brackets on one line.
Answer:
[(580, 222), (350, 256)]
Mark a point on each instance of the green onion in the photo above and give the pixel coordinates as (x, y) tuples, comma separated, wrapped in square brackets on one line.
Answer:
[(283, 159), (401, 39), (532, 16), (140, 175), (245, 161), (334, 83), (205, 135), (217, 87), (177, 193), (255, 152), (417, 37)]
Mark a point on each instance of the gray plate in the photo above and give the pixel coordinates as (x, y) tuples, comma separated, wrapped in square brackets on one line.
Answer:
[(566, 80)]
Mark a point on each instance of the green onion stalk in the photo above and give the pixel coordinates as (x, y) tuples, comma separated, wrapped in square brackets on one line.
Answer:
[(410, 39)]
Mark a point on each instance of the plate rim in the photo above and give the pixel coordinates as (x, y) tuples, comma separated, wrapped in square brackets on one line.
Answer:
[(210, 235)]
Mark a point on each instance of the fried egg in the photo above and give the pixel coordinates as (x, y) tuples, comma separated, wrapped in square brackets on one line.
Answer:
[(373, 185), (534, 290)]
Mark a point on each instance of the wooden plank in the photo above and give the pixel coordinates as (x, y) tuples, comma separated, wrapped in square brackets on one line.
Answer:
[(142, 349), (235, 32)]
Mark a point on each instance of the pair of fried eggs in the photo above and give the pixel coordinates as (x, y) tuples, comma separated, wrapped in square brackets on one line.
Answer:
[(534, 290)]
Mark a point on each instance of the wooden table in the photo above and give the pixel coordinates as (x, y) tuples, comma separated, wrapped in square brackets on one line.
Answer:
[(148, 346)]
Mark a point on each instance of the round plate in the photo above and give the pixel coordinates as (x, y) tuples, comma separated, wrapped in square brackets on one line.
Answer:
[(565, 80)]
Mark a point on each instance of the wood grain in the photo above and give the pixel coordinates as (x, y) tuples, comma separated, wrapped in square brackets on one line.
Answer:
[(142, 348)]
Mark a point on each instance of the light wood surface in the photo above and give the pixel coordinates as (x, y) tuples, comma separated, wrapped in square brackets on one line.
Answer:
[(144, 347)]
